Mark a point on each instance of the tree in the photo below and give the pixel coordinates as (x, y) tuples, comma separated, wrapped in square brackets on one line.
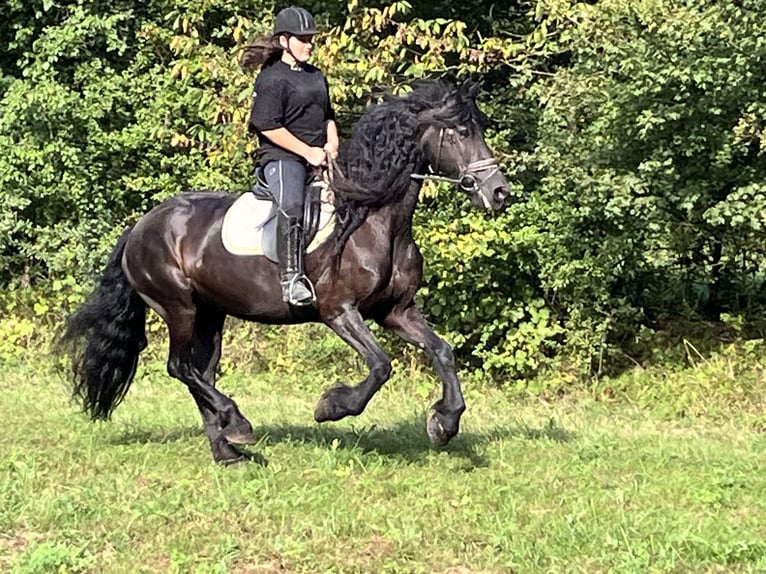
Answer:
[(651, 204), (634, 131)]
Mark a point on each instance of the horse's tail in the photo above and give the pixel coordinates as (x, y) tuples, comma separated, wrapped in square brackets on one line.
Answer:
[(104, 337)]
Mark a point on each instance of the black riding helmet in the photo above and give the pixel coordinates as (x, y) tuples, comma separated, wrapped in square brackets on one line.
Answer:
[(295, 21)]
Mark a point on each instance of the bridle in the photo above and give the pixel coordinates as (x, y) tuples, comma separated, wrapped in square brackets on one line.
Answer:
[(468, 178)]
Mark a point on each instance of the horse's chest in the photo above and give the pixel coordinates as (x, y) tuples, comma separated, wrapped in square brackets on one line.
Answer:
[(402, 272)]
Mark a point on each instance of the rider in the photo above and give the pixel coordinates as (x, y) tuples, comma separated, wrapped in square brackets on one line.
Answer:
[(295, 123)]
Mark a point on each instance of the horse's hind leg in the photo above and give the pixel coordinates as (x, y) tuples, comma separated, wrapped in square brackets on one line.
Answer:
[(342, 400), (206, 353), (222, 417), (411, 326), (206, 341)]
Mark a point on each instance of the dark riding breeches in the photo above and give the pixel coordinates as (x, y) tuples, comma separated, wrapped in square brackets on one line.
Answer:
[(287, 181)]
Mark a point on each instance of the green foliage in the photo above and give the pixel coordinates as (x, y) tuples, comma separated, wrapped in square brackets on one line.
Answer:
[(649, 204), (634, 133), (93, 134), (17, 334)]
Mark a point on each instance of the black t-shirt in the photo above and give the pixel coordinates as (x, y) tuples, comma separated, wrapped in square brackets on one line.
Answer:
[(294, 98)]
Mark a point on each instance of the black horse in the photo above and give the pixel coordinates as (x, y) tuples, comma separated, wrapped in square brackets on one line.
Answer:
[(173, 260)]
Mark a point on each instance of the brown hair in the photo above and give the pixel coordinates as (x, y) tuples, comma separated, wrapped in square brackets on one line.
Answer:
[(262, 53)]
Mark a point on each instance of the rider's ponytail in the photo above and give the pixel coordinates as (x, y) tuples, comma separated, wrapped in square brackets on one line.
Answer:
[(261, 54)]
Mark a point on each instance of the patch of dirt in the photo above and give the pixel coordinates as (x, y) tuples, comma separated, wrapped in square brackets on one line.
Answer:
[(158, 564), (13, 545), (376, 548), (270, 567)]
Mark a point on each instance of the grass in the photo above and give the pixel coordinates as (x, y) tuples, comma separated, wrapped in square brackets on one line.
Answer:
[(573, 485)]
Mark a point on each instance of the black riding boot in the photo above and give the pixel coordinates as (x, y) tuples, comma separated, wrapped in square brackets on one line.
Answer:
[(296, 287)]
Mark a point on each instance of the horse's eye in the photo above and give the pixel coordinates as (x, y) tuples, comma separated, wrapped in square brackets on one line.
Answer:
[(463, 132)]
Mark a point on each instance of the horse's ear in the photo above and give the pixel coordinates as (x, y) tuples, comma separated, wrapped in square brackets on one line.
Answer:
[(469, 89)]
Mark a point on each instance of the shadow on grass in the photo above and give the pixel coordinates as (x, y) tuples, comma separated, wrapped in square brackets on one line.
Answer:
[(155, 435), (406, 440)]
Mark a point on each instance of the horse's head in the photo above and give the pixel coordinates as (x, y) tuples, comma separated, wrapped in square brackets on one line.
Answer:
[(452, 140)]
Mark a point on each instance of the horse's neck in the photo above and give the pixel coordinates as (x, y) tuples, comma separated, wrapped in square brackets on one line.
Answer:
[(398, 215), (405, 208)]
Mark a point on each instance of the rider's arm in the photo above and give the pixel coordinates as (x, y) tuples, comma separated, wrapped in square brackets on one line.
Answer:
[(331, 129), (284, 139), (331, 147)]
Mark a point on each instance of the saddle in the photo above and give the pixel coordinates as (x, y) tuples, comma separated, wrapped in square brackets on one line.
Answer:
[(250, 224)]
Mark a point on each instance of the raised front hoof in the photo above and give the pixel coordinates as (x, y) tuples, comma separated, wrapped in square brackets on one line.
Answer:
[(333, 405), (439, 430)]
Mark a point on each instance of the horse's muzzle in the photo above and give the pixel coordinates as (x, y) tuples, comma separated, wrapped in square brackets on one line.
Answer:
[(500, 195)]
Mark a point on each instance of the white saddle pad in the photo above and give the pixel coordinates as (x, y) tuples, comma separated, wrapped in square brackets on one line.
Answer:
[(249, 221)]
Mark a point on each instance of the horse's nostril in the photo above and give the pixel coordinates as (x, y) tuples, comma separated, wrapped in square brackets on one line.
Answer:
[(500, 193)]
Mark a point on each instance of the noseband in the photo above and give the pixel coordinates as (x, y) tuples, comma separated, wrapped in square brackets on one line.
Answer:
[(468, 178)]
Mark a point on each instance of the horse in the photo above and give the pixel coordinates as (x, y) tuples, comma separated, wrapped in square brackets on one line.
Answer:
[(173, 261)]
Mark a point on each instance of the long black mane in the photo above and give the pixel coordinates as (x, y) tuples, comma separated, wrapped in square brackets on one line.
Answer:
[(376, 162)]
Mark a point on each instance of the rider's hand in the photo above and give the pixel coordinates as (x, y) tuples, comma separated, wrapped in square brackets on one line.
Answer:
[(331, 149), (316, 156)]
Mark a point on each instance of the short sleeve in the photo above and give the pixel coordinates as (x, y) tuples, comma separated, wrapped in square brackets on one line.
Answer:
[(267, 112), (329, 112)]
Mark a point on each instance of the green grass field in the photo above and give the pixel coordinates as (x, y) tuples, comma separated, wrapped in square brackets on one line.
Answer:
[(573, 485)]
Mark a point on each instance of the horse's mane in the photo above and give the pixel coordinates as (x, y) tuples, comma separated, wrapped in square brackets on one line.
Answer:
[(377, 160)]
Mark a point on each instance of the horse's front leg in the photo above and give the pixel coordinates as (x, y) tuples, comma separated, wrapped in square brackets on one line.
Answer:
[(342, 400), (410, 325)]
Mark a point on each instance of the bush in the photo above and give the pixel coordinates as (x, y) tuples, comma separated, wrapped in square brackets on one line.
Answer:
[(635, 135)]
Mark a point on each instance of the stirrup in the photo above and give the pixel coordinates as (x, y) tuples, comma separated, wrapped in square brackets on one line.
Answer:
[(297, 282)]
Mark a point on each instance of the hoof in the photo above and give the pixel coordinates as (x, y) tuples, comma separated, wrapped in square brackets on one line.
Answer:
[(240, 438), (331, 405), (326, 410), (226, 454), (233, 461), (243, 457), (438, 432), (242, 434)]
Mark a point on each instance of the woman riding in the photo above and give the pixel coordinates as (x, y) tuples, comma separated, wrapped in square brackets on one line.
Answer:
[(295, 123)]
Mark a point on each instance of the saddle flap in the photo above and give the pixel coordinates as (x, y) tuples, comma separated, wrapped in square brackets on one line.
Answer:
[(249, 227)]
